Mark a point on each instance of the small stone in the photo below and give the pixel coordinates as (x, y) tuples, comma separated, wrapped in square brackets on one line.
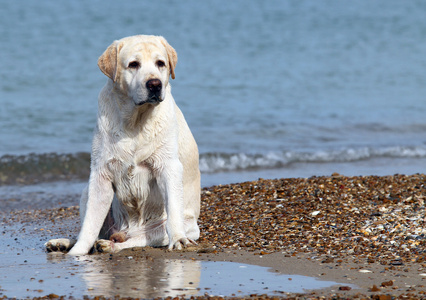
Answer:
[(365, 271), (374, 288)]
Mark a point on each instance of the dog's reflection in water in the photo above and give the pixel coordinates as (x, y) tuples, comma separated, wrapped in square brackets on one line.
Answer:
[(137, 277)]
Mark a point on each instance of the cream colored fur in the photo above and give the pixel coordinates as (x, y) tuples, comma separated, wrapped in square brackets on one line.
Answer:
[(144, 186)]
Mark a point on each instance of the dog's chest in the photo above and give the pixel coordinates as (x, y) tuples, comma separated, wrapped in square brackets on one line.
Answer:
[(131, 181), (136, 192)]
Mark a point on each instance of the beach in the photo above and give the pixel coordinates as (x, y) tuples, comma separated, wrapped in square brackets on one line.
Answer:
[(367, 234), (293, 90)]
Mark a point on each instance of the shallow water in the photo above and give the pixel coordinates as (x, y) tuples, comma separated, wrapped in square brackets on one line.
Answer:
[(29, 272)]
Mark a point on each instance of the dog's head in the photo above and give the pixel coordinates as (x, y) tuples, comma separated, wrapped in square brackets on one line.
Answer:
[(140, 67)]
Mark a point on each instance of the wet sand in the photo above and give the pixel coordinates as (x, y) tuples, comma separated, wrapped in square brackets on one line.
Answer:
[(367, 233)]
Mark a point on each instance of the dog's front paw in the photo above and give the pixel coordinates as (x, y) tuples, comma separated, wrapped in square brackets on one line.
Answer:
[(180, 243), (59, 245), (104, 246)]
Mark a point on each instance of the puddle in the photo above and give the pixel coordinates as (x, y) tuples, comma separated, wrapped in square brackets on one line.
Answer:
[(129, 277), (23, 276), (26, 271)]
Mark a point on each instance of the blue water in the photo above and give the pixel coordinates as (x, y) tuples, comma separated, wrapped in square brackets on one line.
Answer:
[(269, 89)]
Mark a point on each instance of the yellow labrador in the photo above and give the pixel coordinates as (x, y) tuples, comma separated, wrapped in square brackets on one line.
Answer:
[(144, 186)]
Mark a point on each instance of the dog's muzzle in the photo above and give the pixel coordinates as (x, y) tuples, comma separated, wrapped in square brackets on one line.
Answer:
[(154, 87)]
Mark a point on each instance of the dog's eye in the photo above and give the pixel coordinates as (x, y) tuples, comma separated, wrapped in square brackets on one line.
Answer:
[(160, 63), (134, 65)]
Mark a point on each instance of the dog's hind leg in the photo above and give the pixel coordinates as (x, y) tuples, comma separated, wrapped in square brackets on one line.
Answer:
[(153, 234)]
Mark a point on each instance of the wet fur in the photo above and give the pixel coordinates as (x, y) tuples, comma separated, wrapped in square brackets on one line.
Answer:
[(144, 186)]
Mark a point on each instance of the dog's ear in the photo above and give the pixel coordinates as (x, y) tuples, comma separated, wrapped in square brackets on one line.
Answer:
[(108, 61), (171, 55)]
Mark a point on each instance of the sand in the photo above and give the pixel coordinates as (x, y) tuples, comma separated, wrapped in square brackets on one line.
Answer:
[(368, 234)]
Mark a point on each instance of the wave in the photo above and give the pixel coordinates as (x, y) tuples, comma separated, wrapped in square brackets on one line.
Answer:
[(220, 162), (37, 168)]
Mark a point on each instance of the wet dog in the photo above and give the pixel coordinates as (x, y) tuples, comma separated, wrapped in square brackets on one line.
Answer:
[(144, 186)]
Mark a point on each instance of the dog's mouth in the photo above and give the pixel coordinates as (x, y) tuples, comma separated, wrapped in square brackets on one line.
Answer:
[(154, 99)]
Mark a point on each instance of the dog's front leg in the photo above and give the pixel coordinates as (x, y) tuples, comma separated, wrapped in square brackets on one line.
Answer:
[(100, 195), (171, 185)]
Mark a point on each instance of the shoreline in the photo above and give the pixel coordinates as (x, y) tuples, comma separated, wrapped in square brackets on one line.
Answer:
[(63, 191), (368, 230)]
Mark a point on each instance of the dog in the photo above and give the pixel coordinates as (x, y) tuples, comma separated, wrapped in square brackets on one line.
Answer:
[(144, 186)]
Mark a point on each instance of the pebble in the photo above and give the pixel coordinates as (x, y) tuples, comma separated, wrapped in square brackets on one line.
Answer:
[(363, 218)]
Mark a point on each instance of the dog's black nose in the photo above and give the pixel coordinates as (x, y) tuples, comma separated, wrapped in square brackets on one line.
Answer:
[(154, 85)]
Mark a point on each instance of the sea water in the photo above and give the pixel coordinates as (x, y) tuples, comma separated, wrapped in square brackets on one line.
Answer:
[(269, 89)]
